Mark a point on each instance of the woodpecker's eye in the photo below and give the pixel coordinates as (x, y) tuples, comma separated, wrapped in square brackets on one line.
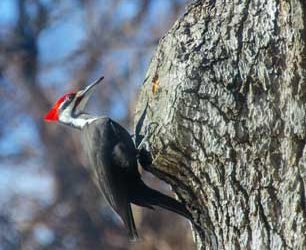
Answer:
[(70, 97), (66, 100)]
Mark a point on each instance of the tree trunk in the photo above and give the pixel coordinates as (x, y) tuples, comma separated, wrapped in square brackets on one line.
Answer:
[(227, 88)]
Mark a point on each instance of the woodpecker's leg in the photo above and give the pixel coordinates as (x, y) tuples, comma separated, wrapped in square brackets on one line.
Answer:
[(137, 137), (144, 158), (144, 139), (144, 150)]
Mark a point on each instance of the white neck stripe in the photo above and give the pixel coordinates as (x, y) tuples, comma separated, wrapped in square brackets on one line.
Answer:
[(79, 121)]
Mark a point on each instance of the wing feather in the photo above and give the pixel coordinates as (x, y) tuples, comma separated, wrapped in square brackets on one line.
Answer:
[(113, 164)]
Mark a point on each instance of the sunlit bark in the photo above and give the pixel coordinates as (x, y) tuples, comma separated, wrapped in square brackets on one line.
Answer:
[(229, 96)]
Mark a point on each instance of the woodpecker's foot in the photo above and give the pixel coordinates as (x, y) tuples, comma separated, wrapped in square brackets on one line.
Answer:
[(144, 158), (144, 150), (133, 136), (144, 139)]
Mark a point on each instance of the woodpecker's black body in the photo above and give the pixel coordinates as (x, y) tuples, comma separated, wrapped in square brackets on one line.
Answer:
[(113, 163), (112, 159)]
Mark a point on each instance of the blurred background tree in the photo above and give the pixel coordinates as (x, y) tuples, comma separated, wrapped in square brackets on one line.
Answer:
[(48, 47)]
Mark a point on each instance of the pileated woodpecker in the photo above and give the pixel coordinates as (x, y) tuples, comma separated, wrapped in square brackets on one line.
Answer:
[(112, 158)]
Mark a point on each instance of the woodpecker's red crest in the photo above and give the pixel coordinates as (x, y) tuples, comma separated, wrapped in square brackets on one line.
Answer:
[(67, 108), (52, 115)]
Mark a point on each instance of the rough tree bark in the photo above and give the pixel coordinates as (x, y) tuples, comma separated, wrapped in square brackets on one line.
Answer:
[(227, 87)]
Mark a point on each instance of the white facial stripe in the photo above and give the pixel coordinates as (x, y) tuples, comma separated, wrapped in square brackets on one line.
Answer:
[(61, 105), (77, 122), (80, 123)]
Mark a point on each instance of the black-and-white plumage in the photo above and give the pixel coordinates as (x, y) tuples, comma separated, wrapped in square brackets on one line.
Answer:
[(112, 159)]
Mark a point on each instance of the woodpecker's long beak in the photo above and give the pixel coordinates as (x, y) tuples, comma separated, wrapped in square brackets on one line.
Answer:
[(89, 88), (82, 96)]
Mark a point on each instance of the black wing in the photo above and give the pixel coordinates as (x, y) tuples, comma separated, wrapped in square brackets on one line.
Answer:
[(124, 153), (113, 164)]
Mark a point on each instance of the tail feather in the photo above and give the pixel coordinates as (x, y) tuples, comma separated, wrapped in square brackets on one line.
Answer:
[(148, 197), (130, 224)]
